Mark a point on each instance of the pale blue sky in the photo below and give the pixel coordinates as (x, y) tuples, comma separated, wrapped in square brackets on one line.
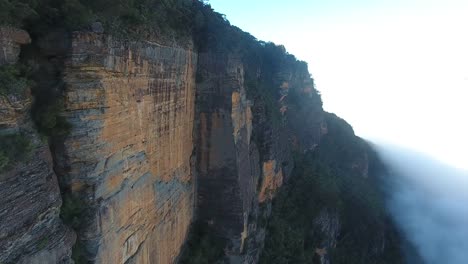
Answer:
[(397, 70)]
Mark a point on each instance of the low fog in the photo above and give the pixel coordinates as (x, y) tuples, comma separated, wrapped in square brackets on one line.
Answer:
[(429, 202)]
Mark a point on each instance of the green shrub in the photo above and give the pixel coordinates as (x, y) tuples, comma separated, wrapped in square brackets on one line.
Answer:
[(4, 161), (71, 210), (14, 148), (78, 253), (14, 12), (49, 119), (12, 80), (202, 246), (71, 213)]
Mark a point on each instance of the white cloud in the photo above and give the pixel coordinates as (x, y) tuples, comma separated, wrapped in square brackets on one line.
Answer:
[(403, 80), (428, 201)]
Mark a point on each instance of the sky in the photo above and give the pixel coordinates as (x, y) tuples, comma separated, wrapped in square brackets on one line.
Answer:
[(396, 70)]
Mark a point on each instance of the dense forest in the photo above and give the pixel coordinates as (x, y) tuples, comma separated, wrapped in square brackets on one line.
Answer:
[(323, 183)]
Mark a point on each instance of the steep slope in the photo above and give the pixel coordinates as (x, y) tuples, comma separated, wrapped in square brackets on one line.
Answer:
[(332, 210)]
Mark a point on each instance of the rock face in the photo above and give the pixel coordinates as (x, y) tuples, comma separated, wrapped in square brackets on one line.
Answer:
[(239, 176), (30, 228), (329, 225), (227, 159), (160, 136), (11, 40), (128, 157), (272, 181)]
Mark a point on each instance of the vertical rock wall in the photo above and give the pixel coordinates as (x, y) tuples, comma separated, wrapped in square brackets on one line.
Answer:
[(30, 228), (238, 179), (128, 157), (227, 176)]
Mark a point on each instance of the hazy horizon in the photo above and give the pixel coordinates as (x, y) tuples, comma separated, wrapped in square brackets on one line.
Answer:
[(397, 71), (428, 199)]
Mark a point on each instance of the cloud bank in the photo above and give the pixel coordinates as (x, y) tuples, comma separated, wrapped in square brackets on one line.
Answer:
[(429, 202)]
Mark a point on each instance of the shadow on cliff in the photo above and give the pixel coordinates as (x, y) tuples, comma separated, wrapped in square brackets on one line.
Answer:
[(428, 200)]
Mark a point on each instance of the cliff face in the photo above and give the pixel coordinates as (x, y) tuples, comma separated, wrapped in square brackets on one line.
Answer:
[(226, 158), (163, 137), (30, 228), (128, 156), (243, 156)]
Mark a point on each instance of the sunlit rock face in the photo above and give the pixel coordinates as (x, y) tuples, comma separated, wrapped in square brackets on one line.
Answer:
[(272, 180), (128, 157), (30, 228)]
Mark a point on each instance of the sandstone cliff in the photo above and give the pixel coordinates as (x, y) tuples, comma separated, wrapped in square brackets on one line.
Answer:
[(144, 139), (128, 156)]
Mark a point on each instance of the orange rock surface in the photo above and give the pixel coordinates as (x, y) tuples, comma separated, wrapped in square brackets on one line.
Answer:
[(272, 181), (132, 110)]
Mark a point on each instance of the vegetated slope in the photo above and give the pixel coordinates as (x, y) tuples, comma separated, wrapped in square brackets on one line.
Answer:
[(332, 210)]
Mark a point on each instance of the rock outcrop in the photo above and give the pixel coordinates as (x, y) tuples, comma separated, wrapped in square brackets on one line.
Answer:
[(30, 228), (11, 40)]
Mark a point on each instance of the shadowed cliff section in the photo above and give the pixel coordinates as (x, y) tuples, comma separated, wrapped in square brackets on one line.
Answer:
[(245, 134), (31, 230)]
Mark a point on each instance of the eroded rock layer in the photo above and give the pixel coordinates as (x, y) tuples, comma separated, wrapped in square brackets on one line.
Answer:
[(30, 228), (128, 157)]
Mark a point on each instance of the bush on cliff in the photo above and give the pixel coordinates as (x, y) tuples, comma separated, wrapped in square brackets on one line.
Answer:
[(202, 246), (14, 12), (14, 148), (50, 120), (13, 80), (71, 212)]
